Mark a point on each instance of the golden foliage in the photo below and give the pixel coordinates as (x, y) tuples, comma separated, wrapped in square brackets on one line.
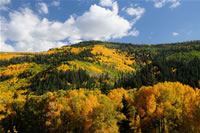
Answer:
[(8, 56), (73, 50), (117, 95), (95, 69), (76, 65), (170, 105), (112, 58), (167, 100), (77, 50), (63, 67), (85, 111), (7, 98), (15, 69)]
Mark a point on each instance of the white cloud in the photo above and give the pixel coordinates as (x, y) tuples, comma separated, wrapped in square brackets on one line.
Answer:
[(175, 33), (108, 3), (3, 45), (135, 11), (42, 8), (134, 32), (161, 3), (101, 23), (3, 4), (29, 32), (55, 3), (176, 4), (6, 47)]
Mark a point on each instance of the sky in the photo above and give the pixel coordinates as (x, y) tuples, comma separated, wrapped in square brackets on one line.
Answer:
[(38, 25)]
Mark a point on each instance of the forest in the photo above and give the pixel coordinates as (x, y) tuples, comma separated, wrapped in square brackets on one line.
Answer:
[(102, 87)]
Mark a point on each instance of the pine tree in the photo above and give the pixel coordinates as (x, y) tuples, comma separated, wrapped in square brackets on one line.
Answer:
[(124, 125)]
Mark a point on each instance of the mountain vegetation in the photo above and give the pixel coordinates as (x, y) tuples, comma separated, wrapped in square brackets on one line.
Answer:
[(102, 87)]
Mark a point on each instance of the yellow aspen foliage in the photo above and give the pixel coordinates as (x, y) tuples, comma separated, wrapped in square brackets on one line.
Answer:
[(137, 124), (160, 111), (191, 109), (151, 104), (13, 80), (15, 69), (55, 50), (91, 102), (89, 111), (75, 65), (116, 96), (8, 56), (8, 101), (112, 58), (63, 67), (165, 103), (77, 50), (73, 50), (79, 107), (53, 112), (95, 69), (164, 107)]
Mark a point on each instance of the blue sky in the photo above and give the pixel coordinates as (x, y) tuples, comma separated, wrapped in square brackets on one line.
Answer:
[(37, 25)]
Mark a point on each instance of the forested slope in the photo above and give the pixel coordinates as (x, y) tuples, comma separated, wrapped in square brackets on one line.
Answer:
[(74, 88)]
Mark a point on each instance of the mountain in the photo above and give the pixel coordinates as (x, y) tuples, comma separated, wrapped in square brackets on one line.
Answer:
[(95, 66)]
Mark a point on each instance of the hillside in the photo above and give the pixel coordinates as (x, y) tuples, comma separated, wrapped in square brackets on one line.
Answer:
[(92, 71)]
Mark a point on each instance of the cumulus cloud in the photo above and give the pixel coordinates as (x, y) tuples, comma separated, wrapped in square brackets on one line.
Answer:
[(161, 3), (3, 4), (108, 3), (29, 32), (101, 23), (55, 3), (42, 8), (175, 33), (4, 46), (134, 32), (135, 11)]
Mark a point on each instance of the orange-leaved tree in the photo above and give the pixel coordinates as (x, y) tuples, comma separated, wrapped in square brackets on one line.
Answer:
[(167, 107)]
